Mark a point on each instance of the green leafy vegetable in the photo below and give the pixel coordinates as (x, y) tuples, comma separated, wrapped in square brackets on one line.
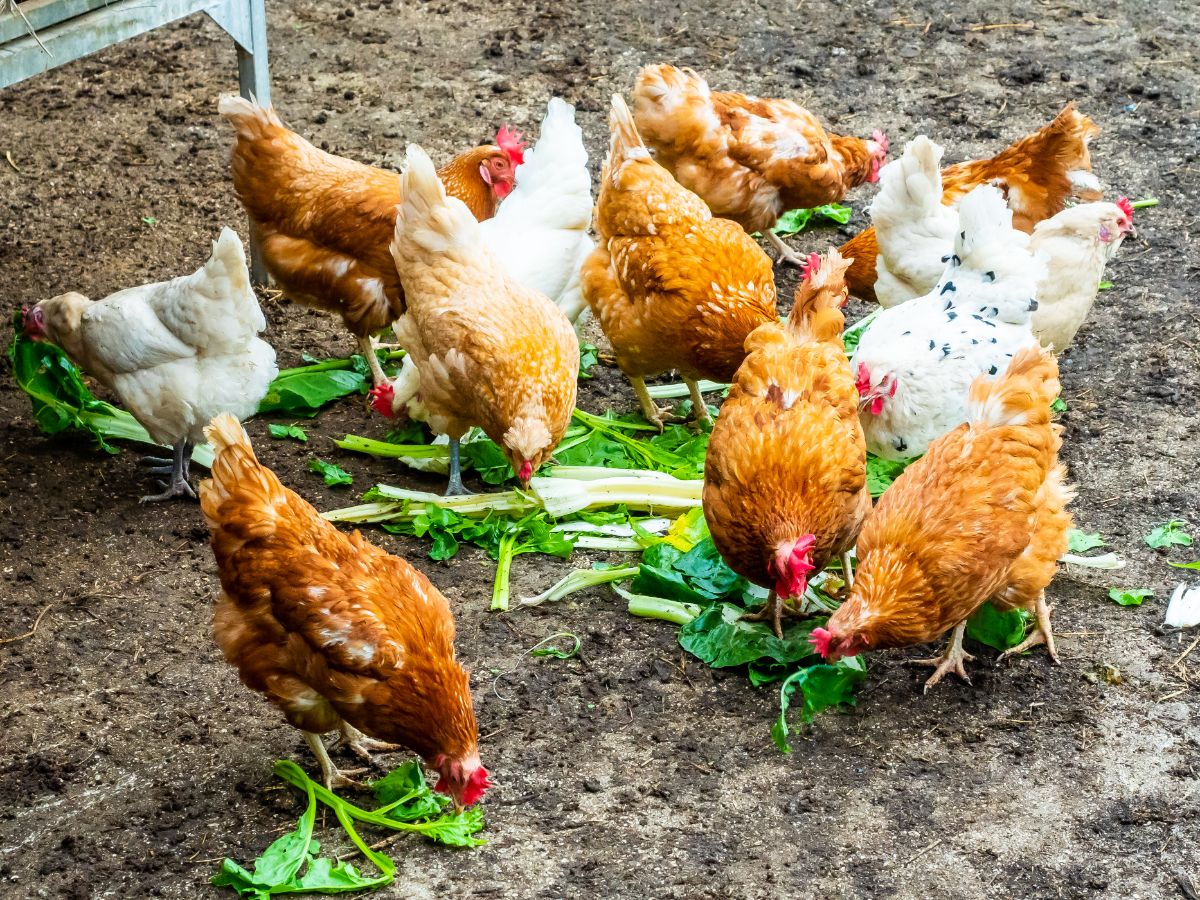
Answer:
[(1104, 286), (1080, 542), (721, 638), (796, 220), (333, 475), (294, 432), (1169, 535), (822, 686), (532, 534), (545, 646), (1145, 203), (149, 221), (304, 390), (1189, 565), (852, 334), (1059, 405), (882, 472), (61, 400), (998, 629), (1132, 597), (589, 355)]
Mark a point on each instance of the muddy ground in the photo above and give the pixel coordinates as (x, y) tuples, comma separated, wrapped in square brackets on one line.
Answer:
[(131, 759)]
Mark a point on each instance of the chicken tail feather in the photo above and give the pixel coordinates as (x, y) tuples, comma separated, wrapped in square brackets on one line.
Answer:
[(626, 142), (817, 312), (236, 470), (427, 217), (251, 120), (1020, 396)]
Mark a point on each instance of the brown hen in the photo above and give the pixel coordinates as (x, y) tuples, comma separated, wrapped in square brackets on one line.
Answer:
[(981, 516), (325, 222), (785, 481), (672, 287), (334, 631)]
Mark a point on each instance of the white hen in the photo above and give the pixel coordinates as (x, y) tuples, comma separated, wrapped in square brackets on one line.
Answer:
[(916, 236), (915, 363), (540, 232), (176, 353)]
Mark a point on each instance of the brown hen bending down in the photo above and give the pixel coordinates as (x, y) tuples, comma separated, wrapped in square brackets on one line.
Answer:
[(334, 631)]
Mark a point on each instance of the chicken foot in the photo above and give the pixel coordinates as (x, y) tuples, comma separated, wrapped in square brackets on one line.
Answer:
[(698, 404), (361, 745), (1042, 634), (331, 775), (787, 255), (951, 660), (653, 413), (455, 487), (775, 609), (176, 469)]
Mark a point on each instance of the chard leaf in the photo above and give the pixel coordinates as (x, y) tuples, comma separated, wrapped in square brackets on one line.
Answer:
[(721, 638), (822, 686), (1170, 534), (545, 646), (305, 393), (294, 432), (796, 220), (488, 461), (1059, 405), (1130, 597), (589, 355), (882, 472), (333, 475), (1081, 542), (404, 795), (998, 630), (1189, 565)]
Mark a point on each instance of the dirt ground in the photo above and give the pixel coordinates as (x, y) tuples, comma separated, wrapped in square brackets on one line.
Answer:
[(132, 760)]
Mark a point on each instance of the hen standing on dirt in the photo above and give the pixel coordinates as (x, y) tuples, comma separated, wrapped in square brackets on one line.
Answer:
[(672, 287), (785, 482), (335, 632), (981, 516)]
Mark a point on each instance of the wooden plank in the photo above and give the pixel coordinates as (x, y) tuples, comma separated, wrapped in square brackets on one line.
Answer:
[(42, 14), (67, 41)]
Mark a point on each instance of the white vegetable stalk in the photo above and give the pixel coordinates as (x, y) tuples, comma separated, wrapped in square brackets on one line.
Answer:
[(579, 580), (1107, 561), (672, 391), (563, 496)]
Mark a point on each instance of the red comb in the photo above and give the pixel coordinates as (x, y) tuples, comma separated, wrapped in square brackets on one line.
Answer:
[(511, 143), (863, 380), (1125, 206), (881, 139), (811, 266), (821, 638)]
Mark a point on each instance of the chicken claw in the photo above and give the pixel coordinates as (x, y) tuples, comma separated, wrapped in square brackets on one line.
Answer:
[(774, 610), (951, 660), (361, 745), (1042, 634), (787, 256), (176, 469), (331, 776), (656, 415)]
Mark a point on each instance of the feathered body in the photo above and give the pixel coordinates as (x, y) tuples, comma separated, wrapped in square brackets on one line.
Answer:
[(488, 351), (915, 363), (672, 286), (325, 222), (785, 478), (1038, 173), (175, 352), (982, 516), (330, 628), (540, 232), (749, 158)]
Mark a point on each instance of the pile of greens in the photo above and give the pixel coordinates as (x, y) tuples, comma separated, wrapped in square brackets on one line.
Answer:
[(293, 864)]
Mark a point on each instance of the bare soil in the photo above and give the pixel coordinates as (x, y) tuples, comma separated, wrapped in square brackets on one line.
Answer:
[(132, 760)]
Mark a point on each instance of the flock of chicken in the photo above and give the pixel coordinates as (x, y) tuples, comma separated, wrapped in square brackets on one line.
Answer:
[(484, 269)]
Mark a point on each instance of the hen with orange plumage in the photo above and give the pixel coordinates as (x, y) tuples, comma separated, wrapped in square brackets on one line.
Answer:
[(785, 481), (672, 286), (325, 222), (751, 159), (335, 632), (981, 516), (1038, 174)]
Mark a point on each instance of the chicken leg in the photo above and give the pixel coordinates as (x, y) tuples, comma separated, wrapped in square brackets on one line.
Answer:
[(951, 660), (455, 487), (787, 255), (653, 413), (366, 346), (847, 570), (360, 744), (331, 776), (699, 407), (1042, 634), (177, 471), (775, 609)]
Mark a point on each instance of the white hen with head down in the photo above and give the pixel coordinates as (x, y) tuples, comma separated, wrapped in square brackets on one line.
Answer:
[(540, 232), (915, 363)]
